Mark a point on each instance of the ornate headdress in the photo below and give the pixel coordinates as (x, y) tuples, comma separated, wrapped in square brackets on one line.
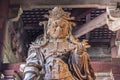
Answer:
[(58, 12)]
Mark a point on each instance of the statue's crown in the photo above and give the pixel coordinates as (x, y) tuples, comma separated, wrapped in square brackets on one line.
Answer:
[(58, 12)]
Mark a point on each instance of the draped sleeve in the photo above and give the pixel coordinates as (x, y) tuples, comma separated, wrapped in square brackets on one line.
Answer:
[(34, 63), (80, 66)]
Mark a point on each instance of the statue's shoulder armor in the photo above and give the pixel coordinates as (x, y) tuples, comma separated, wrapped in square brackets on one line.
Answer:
[(39, 42)]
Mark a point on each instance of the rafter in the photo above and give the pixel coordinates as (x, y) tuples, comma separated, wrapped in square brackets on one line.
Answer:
[(95, 23), (85, 13)]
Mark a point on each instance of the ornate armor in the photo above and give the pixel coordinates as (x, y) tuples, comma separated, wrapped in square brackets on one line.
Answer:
[(58, 53)]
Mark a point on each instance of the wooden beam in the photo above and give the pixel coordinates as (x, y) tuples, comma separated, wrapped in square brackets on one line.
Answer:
[(118, 43), (27, 4), (115, 0), (100, 40), (113, 48), (28, 7), (27, 27), (58, 2), (95, 23), (98, 66), (4, 12), (88, 16), (85, 13)]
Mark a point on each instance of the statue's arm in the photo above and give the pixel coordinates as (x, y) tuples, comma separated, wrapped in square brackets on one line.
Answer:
[(33, 65), (83, 60)]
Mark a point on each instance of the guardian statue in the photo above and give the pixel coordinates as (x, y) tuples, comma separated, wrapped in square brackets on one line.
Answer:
[(58, 54)]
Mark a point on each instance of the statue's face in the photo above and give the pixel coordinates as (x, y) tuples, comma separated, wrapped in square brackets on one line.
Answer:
[(58, 29)]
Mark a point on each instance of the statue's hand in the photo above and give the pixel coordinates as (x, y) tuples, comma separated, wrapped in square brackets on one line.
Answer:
[(85, 43)]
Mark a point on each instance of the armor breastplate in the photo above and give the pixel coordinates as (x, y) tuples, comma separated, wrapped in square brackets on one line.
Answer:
[(55, 67)]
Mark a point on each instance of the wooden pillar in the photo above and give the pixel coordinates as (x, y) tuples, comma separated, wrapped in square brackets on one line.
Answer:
[(113, 48), (88, 16), (118, 43), (3, 18)]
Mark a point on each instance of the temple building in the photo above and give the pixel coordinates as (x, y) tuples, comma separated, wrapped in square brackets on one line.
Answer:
[(97, 21)]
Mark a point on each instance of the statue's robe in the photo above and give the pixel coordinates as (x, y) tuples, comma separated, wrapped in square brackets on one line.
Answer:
[(60, 61)]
